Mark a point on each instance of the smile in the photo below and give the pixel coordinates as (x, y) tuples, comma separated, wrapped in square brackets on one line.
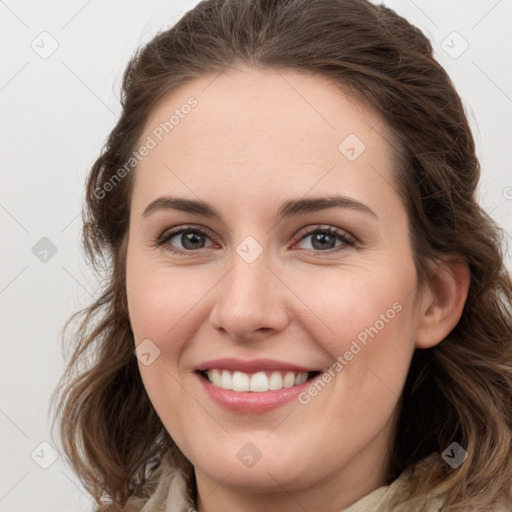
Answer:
[(258, 382), (252, 387)]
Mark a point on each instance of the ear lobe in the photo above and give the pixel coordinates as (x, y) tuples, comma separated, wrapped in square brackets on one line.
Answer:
[(442, 303)]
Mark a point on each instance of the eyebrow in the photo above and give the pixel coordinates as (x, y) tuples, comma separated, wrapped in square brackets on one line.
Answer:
[(289, 208)]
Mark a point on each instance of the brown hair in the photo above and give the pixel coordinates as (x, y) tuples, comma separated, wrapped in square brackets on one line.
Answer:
[(458, 391)]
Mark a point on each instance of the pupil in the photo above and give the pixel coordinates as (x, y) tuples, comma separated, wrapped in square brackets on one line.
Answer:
[(321, 238), (189, 239)]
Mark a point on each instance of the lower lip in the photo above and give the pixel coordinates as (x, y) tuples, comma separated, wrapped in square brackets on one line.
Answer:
[(251, 402)]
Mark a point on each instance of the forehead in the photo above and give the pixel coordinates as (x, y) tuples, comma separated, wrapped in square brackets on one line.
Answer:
[(263, 130)]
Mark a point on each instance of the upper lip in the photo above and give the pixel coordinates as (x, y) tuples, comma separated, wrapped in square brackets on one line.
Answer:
[(251, 366)]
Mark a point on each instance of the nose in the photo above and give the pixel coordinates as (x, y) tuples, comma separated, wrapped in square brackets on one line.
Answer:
[(251, 301)]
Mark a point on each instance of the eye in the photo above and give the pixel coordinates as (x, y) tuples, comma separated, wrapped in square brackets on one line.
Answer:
[(191, 239), (323, 239)]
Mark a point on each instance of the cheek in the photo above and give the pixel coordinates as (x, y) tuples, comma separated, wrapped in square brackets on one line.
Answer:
[(161, 306), (369, 320), (373, 318), (163, 302), (361, 305)]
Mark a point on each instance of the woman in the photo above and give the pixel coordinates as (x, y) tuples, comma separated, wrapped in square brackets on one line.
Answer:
[(305, 307)]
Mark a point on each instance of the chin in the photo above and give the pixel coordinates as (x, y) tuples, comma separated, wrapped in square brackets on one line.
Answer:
[(265, 469)]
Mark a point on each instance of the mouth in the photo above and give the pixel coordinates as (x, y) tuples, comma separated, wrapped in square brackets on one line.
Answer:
[(255, 386), (256, 382)]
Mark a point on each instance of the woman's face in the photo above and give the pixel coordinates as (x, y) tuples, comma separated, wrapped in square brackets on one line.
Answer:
[(304, 266)]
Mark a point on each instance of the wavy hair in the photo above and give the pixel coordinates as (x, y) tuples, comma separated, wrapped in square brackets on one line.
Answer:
[(459, 390)]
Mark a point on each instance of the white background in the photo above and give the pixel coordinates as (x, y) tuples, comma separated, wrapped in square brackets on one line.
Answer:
[(56, 114)]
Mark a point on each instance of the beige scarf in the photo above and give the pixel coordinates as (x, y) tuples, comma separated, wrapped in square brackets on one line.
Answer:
[(171, 495)]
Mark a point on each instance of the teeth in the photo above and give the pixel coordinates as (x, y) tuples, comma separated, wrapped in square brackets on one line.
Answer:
[(257, 382), (300, 378), (215, 375), (240, 381), (289, 380), (275, 381), (225, 380)]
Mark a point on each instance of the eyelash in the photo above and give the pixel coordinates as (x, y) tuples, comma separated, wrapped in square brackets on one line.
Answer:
[(338, 233)]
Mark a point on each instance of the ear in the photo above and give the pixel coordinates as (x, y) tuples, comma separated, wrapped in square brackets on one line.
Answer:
[(442, 302)]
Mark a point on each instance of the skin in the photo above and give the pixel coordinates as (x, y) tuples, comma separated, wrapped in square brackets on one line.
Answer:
[(255, 139)]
